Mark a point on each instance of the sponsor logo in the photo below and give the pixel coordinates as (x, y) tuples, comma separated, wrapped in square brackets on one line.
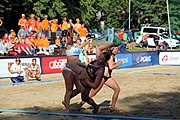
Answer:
[(165, 58), (143, 59), (124, 60), (9, 65), (56, 64)]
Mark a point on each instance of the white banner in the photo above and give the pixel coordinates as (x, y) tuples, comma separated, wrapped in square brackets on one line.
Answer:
[(169, 58), (5, 65)]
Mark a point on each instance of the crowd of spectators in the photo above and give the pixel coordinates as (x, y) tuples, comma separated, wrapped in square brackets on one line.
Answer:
[(37, 37)]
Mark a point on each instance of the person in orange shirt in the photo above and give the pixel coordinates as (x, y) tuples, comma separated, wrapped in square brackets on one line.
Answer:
[(39, 26), (77, 26), (32, 24), (45, 26), (54, 27), (82, 32), (64, 28), (22, 21)]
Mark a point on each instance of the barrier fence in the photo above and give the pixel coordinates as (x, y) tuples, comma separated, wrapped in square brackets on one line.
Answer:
[(55, 64)]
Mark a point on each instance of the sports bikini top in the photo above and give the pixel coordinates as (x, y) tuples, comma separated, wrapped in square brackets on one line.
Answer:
[(75, 50), (91, 71)]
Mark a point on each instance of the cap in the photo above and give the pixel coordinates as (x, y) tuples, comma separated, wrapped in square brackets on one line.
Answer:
[(23, 15), (11, 30)]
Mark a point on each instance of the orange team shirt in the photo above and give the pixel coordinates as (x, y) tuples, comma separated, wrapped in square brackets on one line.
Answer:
[(54, 27), (45, 24), (45, 43), (82, 32), (57, 41), (64, 25), (77, 26), (39, 26), (40, 43), (31, 23), (22, 22)]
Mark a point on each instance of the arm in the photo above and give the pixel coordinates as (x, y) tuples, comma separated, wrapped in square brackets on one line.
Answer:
[(81, 64), (101, 48), (84, 44), (112, 64), (98, 79), (38, 69)]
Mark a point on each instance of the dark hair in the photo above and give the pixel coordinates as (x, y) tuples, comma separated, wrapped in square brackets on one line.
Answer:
[(18, 59), (33, 59), (106, 55)]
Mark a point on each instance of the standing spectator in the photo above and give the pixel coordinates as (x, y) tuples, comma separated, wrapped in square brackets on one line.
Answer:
[(39, 26), (130, 36), (45, 26), (77, 25), (82, 33), (33, 70), (22, 21), (130, 39), (145, 42), (156, 41), (54, 27), (32, 24), (64, 28), (16, 71)]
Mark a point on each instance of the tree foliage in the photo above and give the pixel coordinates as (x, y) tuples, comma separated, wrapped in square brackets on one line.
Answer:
[(113, 12)]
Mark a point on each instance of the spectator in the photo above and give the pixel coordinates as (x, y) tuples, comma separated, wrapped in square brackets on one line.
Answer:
[(12, 34), (3, 50), (33, 70), (130, 36), (77, 25), (156, 41), (122, 45), (145, 42), (82, 33), (22, 21), (23, 31), (45, 26), (32, 24), (16, 71), (64, 28), (39, 26), (54, 27)]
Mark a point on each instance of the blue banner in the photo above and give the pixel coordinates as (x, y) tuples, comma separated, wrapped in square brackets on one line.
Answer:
[(126, 59), (143, 59)]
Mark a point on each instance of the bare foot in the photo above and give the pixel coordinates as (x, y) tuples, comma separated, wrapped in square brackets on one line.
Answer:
[(96, 108), (64, 104), (112, 109), (67, 109)]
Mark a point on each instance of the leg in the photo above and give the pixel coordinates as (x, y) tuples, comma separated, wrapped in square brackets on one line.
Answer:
[(78, 88), (14, 80), (93, 92), (68, 78), (85, 97), (114, 85)]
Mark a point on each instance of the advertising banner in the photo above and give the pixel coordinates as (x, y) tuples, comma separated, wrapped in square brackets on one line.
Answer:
[(169, 58), (5, 65), (126, 59), (53, 64), (143, 59)]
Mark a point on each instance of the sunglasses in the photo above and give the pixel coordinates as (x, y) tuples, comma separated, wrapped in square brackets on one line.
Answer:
[(18, 60)]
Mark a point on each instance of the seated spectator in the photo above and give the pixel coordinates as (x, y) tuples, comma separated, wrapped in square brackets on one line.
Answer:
[(122, 45), (42, 44), (23, 31), (3, 50), (12, 34), (16, 71), (91, 49), (33, 70)]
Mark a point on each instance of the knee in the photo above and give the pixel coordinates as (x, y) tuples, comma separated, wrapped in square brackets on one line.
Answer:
[(86, 99), (117, 89)]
